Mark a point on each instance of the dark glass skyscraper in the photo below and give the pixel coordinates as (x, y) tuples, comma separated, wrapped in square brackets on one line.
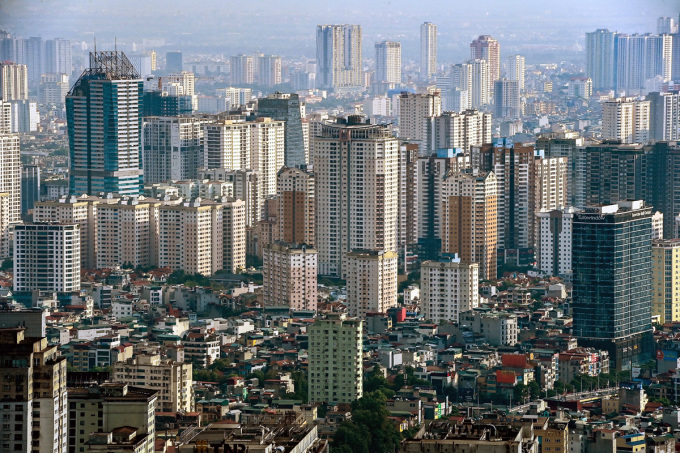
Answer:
[(104, 127), (286, 107), (612, 295), (30, 187)]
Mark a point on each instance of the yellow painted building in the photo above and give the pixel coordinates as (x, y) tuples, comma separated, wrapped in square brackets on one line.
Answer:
[(666, 280)]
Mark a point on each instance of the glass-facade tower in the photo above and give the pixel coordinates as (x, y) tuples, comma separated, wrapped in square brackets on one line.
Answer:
[(104, 127), (612, 292), (286, 107)]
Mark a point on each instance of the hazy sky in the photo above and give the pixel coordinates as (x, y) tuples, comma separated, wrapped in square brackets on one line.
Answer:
[(287, 27)]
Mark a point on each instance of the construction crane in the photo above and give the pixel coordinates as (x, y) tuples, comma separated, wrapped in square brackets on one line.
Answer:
[(161, 78)]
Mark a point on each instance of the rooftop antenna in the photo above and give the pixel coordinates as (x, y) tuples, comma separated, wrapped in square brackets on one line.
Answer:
[(115, 44)]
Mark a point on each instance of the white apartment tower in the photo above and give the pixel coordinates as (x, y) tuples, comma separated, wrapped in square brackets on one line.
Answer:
[(190, 236), (551, 183), (13, 81), (480, 85), (600, 61), (338, 53), (47, 257), (172, 148), (664, 116), (357, 183), (10, 166), (371, 282), (388, 62), (335, 359), (289, 276), (459, 130), (449, 288), (516, 69), (415, 112), (627, 120), (428, 50), (553, 241), (234, 240)]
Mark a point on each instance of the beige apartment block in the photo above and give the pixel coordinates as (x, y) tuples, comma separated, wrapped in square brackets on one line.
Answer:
[(371, 282), (295, 189), (290, 276)]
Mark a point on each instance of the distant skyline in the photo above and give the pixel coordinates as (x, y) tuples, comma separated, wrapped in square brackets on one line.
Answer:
[(287, 27)]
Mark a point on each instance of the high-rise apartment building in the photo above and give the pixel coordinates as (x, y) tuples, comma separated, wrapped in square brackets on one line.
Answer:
[(10, 174), (371, 281), (104, 127), (407, 228), (338, 53), (53, 88), (514, 167), (126, 232), (666, 280), (428, 50), (180, 83), (172, 148), (247, 145), (234, 240), (469, 206), (289, 276), (664, 116), (553, 241), (287, 107), (516, 69), (297, 207), (600, 59), (487, 48), (550, 183), (431, 172), (190, 236), (357, 190), (72, 210), (245, 186), (640, 58), (572, 146), (174, 61), (450, 287), (666, 25), (46, 258), (13, 81), (506, 99), (388, 62), (171, 379), (480, 83), (459, 130), (612, 292), (113, 408), (269, 70), (335, 359), (415, 111), (33, 395), (58, 58), (242, 70), (626, 119)]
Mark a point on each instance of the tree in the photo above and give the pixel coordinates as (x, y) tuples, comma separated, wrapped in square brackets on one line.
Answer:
[(351, 437), (7, 264), (371, 413), (534, 390)]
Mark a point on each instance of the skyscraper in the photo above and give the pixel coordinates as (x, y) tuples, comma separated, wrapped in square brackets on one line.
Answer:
[(459, 130), (289, 276), (612, 295), (626, 119), (415, 111), (57, 56), (428, 50), (286, 107), (615, 172), (388, 62), (570, 145), (104, 127), (554, 241), (516, 69), (666, 25), (640, 58), (468, 219), (13, 81), (269, 70), (357, 181), (172, 148), (664, 118), (488, 49), (600, 59), (506, 99), (242, 70), (297, 207), (338, 53), (10, 171), (480, 84)]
